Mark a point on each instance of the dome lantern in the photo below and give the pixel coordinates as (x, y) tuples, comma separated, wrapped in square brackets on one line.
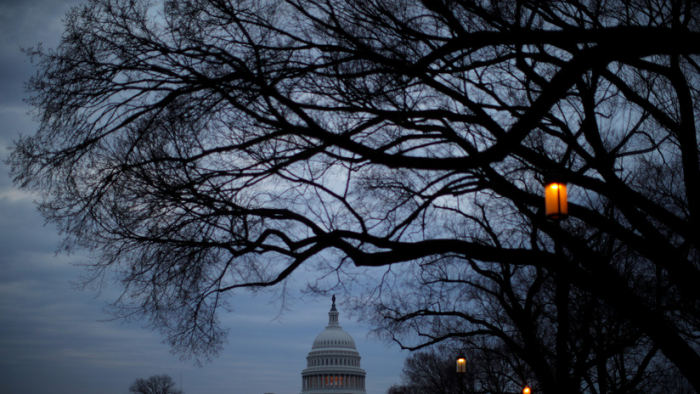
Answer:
[(333, 315)]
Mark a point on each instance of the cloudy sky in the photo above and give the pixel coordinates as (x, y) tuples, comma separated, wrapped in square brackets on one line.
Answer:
[(54, 339)]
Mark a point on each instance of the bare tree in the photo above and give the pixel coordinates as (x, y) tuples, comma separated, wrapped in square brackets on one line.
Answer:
[(156, 384), (510, 323), (494, 367), (397, 389), (432, 371), (427, 373), (209, 145)]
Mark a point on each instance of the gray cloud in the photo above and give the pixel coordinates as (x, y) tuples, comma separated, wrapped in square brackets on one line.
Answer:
[(54, 339)]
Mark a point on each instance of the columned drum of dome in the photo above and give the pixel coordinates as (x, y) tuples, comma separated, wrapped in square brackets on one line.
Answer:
[(333, 364)]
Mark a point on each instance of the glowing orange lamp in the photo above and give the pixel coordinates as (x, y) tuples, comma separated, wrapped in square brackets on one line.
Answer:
[(527, 390), (555, 201), (461, 365)]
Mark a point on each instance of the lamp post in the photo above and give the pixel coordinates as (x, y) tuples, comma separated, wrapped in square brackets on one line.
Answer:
[(461, 375), (557, 209), (461, 365)]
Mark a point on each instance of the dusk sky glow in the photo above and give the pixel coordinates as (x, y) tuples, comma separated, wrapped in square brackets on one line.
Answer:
[(56, 339)]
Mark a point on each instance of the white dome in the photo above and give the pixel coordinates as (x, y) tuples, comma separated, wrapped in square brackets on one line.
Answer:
[(333, 337)]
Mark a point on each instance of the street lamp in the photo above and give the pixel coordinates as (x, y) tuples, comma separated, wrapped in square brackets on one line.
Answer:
[(555, 202), (461, 365), (556, 208), (526, 390)]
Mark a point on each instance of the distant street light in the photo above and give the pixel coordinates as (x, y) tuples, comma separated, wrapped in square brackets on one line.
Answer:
[(527, 390), (461, 365), (555, 201)]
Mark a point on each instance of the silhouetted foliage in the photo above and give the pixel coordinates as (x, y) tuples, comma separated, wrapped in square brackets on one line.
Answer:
[(156, 384), (433, 371), (493, 368), (510, 330), (198, 147), (430, 374)]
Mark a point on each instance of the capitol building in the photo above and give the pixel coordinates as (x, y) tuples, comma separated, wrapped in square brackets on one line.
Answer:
[(333, 364)]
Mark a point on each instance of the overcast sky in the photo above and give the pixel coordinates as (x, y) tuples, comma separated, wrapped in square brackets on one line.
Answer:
[(54, 339)]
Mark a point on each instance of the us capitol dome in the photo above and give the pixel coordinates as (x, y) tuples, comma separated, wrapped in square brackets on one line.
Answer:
[(333, 364)]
